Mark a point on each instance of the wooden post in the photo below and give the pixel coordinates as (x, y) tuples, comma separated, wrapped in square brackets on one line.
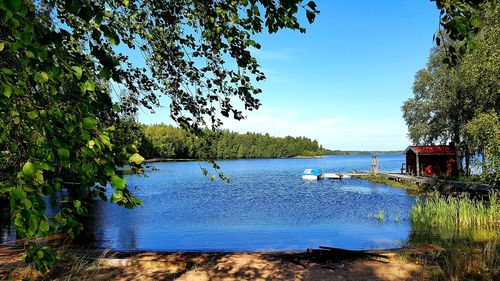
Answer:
[(374, 165), (417, 166)]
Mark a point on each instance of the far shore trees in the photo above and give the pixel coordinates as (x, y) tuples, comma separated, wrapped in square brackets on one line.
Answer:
[(164, 141)]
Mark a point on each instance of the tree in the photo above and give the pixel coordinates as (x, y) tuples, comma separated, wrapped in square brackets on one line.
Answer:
[(482, 135), (460, 21), (445, 99), (59, 63)]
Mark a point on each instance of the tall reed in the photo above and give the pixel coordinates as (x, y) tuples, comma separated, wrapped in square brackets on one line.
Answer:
[(467, 232), (460, 212)]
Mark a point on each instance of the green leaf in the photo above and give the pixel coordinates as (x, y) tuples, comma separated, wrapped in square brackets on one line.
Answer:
[(118, 182), (78, 71), (13, 5), (7, 91), (32, 114), (39, 177), (7, 71), (105, 140), (29, 169), (116, 197), (27, 203), (475, 21), (44, 76), (136, 158), (44, 226), (114, 40), (74, 7), (29, 54), (310, 16), (85, 135), (63, 153), (311, 5), (33, 225), (77, 203), (88, 86), (471, 45), (2, 45), (105, 73), (89, 123)]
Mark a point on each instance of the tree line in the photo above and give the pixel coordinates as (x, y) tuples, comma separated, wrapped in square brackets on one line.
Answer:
[(167, 141)]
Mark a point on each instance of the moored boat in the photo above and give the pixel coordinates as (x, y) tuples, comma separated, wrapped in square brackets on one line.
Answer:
[(312, 174)]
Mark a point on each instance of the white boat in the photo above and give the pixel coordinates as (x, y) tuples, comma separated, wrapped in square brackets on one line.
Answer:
[(312, 174)]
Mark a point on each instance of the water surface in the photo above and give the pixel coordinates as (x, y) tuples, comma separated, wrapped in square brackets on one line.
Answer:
[(266, 206)]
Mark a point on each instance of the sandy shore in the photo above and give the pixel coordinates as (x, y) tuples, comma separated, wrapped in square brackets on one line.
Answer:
[(210, 266)]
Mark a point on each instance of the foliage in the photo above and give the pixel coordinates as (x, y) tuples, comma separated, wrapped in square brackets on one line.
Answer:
[(162, 141), (460, 21), (482, 135), (445, 99), (59, 64)]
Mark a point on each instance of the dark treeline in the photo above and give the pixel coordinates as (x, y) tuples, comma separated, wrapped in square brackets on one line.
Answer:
[(360, 152), (166, 141)]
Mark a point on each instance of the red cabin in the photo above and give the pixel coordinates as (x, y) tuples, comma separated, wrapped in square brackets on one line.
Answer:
[(432, 160)]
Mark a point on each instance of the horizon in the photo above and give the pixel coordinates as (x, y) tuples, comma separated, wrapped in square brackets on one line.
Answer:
[(356, 76)]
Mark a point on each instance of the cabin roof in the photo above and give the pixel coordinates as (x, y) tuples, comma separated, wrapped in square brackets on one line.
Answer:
[(431, 149)]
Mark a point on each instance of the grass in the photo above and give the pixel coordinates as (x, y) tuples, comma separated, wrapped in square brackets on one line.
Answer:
[(380, 215), (383, 179), (70, 266), (457, 213), (466, 232)]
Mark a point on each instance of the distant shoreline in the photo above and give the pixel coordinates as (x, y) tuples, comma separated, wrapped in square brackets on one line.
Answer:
[(306, 157), (361, 152), (154, 160)]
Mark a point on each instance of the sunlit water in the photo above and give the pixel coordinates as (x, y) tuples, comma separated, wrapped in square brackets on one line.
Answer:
[(266, 206)]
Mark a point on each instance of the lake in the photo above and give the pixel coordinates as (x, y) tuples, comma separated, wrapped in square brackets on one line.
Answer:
[(265, 207)]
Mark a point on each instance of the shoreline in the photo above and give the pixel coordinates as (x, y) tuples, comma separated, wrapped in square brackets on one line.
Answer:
[(276, 265)]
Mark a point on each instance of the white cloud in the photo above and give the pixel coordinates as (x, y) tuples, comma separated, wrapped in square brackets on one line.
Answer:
[(343, 132), (334, 132)]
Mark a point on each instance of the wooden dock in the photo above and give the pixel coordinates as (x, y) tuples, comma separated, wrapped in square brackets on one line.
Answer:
[(333, 176)]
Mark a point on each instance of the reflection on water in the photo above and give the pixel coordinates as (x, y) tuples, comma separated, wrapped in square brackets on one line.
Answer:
[(265, 207)]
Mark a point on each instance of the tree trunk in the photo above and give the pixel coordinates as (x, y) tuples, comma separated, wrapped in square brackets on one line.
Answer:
[(460, 156), (467, 163)]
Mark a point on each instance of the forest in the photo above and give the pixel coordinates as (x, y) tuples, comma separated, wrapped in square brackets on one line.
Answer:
[(167, 141)]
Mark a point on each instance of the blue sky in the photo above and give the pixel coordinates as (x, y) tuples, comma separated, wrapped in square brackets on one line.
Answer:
[(344, 81)]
